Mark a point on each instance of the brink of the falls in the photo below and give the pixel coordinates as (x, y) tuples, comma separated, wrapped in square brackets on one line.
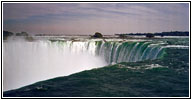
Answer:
[(28, 62)]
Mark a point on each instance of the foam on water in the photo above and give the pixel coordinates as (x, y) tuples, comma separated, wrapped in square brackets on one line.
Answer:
[(27, 62), (177, 46)]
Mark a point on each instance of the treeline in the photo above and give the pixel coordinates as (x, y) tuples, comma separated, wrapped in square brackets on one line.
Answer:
[(172, 33), (7, 34), (48, 34)]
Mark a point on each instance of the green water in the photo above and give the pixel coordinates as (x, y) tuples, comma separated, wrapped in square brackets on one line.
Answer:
[(166, 75), (131, 51)]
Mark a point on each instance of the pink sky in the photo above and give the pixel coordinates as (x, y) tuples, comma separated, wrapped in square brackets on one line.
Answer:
[(87, 18)]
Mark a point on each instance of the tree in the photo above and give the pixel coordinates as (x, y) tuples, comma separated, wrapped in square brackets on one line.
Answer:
[(6, 34), (98, 35), (123, 36), (150, 35), (22, 34)]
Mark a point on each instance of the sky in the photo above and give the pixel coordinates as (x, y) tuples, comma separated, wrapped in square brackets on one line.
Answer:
[(88, 18)]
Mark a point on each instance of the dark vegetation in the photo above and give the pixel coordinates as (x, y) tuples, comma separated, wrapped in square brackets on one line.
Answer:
[(48, 34), (150, 35), (22, 34), (97, 35), (6, 34), (123, 36), (172, 33), (120, 80)]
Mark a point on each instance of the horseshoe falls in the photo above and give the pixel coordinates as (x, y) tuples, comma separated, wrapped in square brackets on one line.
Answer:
[(40, 60), (28, 62), (113, 52), (36, 61)]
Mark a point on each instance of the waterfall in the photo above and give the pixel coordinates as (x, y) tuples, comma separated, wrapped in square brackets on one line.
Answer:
[(28, 62), (115, 52)]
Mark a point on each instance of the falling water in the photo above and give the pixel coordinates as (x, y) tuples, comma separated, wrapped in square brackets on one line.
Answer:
[(115, 52), (28, 62)]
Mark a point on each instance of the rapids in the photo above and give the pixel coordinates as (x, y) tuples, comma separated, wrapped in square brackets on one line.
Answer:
[(28, 62)]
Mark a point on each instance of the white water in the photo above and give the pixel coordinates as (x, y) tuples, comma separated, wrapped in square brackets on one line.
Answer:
[(27, 62)]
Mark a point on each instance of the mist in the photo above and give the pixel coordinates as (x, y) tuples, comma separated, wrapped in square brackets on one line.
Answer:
[(25, 62)]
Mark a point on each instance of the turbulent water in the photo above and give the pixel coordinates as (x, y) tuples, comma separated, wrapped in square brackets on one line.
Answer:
[(27, 62), (113, 51)]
